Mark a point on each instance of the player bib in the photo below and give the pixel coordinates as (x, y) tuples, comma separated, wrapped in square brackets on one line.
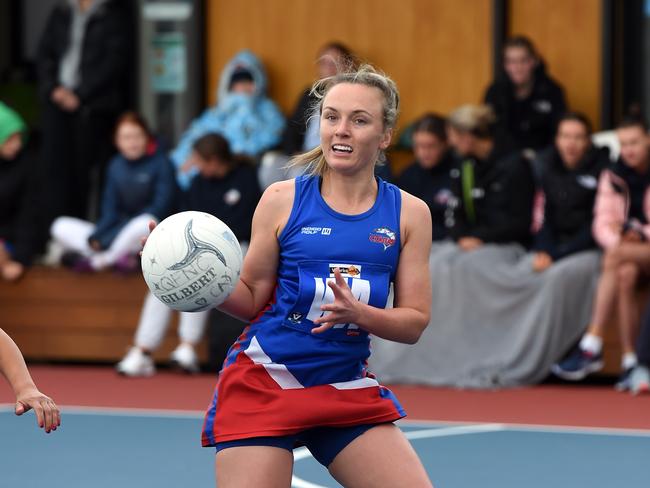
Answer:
[(368, 282)]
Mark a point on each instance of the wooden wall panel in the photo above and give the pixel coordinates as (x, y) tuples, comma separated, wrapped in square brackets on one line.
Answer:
[(568, 36), (438, 51)]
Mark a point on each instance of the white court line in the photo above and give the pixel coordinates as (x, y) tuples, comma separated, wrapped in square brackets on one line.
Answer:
[(121, 412), (166, 413), (303, 452), (550, 428)]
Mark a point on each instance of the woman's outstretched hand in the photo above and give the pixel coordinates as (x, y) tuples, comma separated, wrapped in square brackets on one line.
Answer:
[(47, 413)]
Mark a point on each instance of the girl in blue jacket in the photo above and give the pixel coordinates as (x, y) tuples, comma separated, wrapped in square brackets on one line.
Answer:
[(140, 186)]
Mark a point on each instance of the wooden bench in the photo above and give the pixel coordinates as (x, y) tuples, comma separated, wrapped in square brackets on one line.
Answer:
[(55, 314)]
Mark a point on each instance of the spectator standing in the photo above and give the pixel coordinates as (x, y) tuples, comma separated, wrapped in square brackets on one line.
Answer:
[(82, 63), (526, 100)]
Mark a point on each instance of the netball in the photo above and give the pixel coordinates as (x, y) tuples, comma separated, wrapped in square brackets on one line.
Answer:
[(191, 261)]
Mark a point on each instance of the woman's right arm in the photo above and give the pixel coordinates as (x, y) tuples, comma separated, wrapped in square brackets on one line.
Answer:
[(259, 271), (13, 367)]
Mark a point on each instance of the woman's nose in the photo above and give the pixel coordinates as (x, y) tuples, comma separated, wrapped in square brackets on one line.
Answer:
[(342, 128)]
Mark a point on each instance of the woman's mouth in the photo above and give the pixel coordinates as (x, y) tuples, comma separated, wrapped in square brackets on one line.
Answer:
[(342, 149)]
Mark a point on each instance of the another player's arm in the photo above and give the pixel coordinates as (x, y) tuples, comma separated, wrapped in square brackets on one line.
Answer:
[(412, 306), (13, 367), (259, 271)]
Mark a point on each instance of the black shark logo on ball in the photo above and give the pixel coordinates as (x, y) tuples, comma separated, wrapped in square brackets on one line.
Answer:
[(194, 248)]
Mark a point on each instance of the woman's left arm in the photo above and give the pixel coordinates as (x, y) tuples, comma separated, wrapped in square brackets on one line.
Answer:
[(412, 305)]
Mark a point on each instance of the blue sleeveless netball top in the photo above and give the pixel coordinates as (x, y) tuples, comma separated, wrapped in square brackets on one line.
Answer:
[(317, 239), (278, 362)]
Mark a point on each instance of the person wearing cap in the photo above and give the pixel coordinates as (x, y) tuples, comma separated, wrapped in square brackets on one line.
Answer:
[(249, 120), (17, 229), (492, 187)]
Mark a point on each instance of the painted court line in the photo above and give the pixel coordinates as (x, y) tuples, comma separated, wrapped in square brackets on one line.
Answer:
[(303, 452), (179, 413), (119, 411), (550, 428)]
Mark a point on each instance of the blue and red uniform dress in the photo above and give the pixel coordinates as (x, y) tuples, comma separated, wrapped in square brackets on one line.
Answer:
[(280, 379)]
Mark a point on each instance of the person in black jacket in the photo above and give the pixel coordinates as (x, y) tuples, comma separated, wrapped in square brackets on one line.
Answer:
[(428, 176), (301, 132), (492, 188), (82, 64), (18, 241), (569, 184), (526, 101), (298, 136)]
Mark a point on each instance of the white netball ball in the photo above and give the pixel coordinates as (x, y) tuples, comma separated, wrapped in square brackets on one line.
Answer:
[(191, 261)]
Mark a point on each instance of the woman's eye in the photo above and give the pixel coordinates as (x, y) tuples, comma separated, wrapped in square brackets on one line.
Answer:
[(360, 121)]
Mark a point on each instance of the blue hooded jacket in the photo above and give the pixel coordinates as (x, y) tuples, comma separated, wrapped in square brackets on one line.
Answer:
[(251, 124)]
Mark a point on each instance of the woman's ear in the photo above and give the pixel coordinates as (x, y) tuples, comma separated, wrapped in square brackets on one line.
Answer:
[(385, 140)]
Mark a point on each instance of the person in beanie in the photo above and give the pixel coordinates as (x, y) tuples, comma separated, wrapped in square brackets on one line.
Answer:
[(18, 243)]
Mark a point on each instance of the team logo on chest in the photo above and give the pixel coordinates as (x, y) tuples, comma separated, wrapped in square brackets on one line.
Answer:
[(383, 236)]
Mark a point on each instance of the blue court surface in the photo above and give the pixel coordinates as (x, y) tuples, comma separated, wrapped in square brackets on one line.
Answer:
[(132, 448)]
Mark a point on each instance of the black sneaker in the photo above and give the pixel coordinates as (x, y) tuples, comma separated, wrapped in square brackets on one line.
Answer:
[(69, 259), (577, 365), (623, 383)]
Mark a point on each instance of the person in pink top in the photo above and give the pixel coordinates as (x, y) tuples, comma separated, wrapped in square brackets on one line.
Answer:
[(622, 229)]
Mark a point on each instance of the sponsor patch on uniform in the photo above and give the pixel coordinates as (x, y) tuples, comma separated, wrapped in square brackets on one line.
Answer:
[(383, 236), (326, 231), (347, 270)]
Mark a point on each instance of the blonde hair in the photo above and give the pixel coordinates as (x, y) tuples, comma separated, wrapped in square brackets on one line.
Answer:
[(313, 162), (478, 120)]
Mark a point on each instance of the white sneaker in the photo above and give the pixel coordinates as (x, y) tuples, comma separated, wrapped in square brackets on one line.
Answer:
[(185, 358), (136, 363), (640, 380)]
